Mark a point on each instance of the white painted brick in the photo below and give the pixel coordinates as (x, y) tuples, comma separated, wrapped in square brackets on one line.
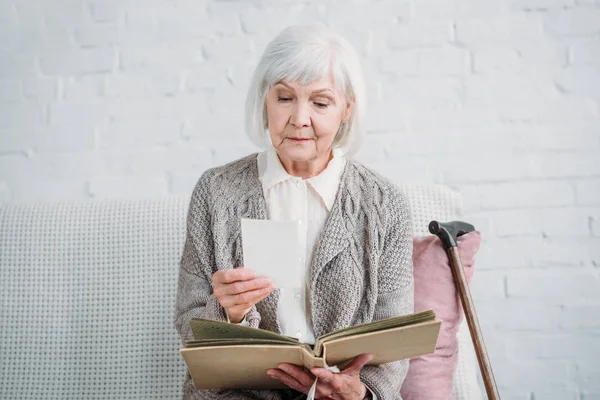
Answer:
[(446, 61), (403, 62), (239, 75), (171, 108), (462, 9), (178, 158), (50, 189), (67, 113), (487, 286), (204, 77), (541, 5), (423, 93), (183, 182), (136, 133), (537, 99), (419, 34), (490, 167), (581, 81), (529, 194), (504, 253), (515, 315), (8, 17), (25, 115), (10, 91), (380, 120), (224, 17), (533, 57), (41, 89), (82, 61), (159, 91), (21, 65), (555, 287), (182, 20), (585, 51), (573, 22), (77, 135), (555, 391), (408, 169), (372, 149), (106, 11), (588, 395), (493, 167), (263, 23), (494, 59), (99, 35), (231, 152), (534, 375), (83, 88), (503, 31), (594, 223), (588, 192), (160, 56), (557, 135), (530, 251), (5, 193), (565, 164), (136, 186), (579, 317), (555, 222), (226, 51), (141, 85), (588, 372)]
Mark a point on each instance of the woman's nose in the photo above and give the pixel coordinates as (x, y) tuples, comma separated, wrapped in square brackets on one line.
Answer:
[(300, 116)]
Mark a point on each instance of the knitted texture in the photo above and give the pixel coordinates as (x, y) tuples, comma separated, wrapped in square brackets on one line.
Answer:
[(361, 270), (86, 300), (87, 290), (437, 202)]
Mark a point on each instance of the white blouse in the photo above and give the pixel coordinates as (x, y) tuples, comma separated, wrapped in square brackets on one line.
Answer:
[(307, 201)]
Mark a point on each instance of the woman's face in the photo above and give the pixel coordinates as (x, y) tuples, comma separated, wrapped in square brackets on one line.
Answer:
[(304, 119)]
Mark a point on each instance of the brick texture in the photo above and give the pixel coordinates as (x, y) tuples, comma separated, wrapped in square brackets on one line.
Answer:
[(498, 99)]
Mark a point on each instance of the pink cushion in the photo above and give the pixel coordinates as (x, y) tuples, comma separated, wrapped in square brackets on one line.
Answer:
[(430, 377)]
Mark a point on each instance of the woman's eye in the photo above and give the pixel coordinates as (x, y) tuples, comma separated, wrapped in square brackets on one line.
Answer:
[(283, 99), (321, 105)]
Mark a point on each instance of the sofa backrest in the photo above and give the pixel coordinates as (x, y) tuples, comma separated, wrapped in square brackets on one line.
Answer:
[(87, 291)]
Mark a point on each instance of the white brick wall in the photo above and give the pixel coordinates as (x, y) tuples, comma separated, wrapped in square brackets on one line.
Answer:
[(499, 99)]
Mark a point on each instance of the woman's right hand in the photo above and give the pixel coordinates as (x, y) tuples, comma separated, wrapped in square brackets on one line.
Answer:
[(238, 290)]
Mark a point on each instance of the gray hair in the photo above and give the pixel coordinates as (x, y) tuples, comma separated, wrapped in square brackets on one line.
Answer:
[(303, 54)]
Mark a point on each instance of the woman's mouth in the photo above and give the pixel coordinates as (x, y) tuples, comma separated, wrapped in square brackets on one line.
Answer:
[(298, 140)]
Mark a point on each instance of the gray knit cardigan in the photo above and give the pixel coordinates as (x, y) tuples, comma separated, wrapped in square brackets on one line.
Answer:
[(361, 270)]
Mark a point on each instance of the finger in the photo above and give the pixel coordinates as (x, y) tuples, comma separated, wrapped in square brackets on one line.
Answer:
[(324, 375), (299, 374), (232, 275), (287, 380), (223, 289), (357, 364), (252, 297)]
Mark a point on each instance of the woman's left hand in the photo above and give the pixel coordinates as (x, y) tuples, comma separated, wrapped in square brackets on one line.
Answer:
[(345, 385)]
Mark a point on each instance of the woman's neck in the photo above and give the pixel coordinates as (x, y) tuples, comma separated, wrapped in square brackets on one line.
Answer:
[(306, 169)]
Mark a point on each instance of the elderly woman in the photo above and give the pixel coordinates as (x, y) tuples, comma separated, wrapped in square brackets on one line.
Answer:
[(304, 106)]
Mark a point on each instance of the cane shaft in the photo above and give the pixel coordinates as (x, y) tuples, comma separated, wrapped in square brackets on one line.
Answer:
[(471, 316)]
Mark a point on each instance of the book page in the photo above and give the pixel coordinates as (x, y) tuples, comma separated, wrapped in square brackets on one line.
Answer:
[(205, 329)]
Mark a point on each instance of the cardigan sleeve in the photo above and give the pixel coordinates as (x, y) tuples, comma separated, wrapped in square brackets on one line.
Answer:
[(395, 294), (195, 298)]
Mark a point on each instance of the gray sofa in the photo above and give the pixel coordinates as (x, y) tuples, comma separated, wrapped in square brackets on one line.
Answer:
[(87, 293)]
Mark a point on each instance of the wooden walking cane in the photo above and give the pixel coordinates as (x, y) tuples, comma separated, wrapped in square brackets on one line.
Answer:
[(448, 232)]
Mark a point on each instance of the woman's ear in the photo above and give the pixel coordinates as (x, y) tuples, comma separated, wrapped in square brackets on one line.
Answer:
[(348, 111)]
